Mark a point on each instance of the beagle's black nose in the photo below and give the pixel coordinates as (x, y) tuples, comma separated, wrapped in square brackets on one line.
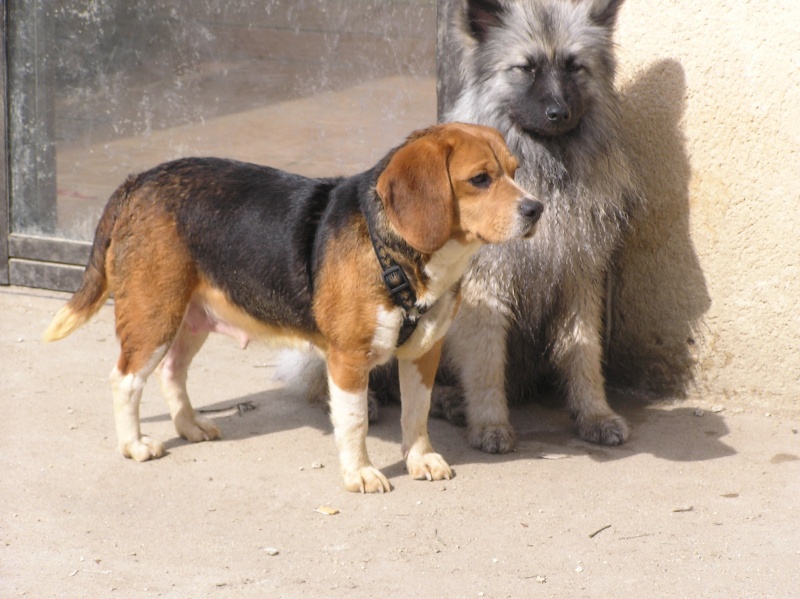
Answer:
[(531, 209)]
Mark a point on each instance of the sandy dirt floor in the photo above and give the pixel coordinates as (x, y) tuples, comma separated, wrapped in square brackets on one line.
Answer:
[(703, 501)]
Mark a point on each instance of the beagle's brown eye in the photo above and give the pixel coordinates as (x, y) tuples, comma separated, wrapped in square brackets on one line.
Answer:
[(482, 180)]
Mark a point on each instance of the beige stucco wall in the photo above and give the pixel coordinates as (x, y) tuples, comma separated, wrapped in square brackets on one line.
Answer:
[(708, 299)]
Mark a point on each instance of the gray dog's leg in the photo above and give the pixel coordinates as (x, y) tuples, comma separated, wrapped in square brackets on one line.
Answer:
[(578, 356), (476, 349)]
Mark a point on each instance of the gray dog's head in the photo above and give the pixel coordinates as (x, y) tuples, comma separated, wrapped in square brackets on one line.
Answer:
[(546, 64)]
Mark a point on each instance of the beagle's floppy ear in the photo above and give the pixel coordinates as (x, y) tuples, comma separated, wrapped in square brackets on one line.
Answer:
[(415, 191)]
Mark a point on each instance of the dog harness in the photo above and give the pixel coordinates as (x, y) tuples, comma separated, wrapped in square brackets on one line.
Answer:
[(396, 281)]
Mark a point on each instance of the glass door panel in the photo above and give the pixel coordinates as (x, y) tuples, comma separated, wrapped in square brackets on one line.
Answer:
[(98, 90)]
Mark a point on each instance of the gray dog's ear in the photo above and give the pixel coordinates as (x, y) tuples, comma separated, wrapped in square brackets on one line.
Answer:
[(479, 16), (604, 12), (415, 191)]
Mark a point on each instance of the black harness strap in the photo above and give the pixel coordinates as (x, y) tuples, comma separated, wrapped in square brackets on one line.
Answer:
[(400, 289)]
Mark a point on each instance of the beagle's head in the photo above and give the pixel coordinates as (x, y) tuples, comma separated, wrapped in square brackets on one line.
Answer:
[(456, 181)]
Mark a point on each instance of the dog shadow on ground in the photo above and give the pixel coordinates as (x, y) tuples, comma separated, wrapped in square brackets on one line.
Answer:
[(544, 429), (660, 294)]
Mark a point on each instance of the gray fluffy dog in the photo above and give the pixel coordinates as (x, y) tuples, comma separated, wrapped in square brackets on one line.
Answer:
[(542, 72)]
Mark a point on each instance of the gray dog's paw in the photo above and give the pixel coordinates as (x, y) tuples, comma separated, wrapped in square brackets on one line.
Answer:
[(493, 438), (448, 403), (373, 407), (609, 430)]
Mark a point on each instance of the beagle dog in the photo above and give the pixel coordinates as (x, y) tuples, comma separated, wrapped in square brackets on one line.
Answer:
[(365, 268)]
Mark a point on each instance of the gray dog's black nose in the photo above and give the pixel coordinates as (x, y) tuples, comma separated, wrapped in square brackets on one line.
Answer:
[(531, 209), (556, 112)]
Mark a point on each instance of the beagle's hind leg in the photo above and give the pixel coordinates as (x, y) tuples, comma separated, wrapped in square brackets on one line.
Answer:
[(152, 286), (173, 373), (127, 390), (145, 336)]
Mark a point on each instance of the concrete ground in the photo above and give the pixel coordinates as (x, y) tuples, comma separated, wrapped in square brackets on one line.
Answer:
[(701, 502)]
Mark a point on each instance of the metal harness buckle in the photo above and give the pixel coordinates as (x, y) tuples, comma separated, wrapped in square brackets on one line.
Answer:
[(395, 279)]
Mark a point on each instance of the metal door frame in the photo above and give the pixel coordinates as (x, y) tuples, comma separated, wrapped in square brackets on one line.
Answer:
[(30, 260), (4, 203)]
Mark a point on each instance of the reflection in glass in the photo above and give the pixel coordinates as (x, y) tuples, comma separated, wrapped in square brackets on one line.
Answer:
[(102, 89)]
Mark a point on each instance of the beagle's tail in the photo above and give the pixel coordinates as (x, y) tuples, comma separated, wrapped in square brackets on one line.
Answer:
[(93, 290)]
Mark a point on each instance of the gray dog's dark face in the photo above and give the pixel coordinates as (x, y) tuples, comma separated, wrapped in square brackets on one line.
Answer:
[(545, 61), (551, 95)]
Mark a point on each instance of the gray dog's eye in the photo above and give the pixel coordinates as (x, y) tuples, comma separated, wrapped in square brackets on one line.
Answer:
[(524, 68), (572, 65)]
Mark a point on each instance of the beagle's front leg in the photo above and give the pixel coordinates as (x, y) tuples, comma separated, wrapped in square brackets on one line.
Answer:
[(416, 382), (348, 377)]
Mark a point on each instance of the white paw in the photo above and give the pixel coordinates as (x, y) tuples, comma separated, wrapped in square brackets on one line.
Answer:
[(197, 428), (366, 480), (428, 466), (142, 449)]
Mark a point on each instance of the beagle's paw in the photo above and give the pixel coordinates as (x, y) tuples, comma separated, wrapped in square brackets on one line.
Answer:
[(366, 480), (196, 428), (142, 449), (428, 466)]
